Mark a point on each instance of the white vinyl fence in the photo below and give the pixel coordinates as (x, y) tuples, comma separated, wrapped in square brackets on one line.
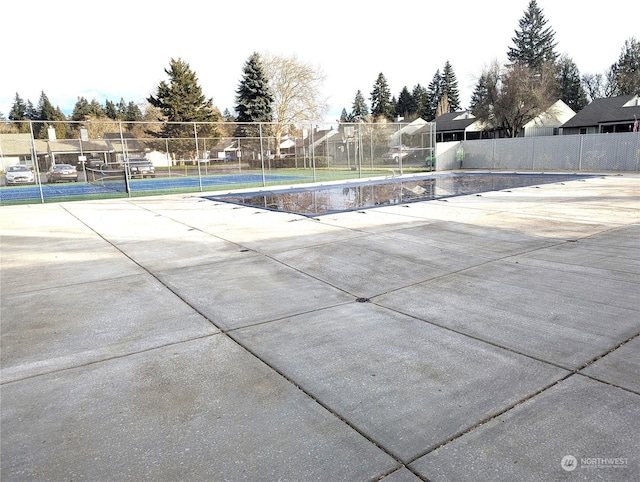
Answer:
[(587, 152)]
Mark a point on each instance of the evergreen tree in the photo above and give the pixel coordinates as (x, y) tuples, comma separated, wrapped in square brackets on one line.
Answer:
[(485, 94), (96, 109), (480, 94), (625, 73), (534, 43), (434, 93), (121, 109), (133, 112), (360, 110), (227, 116), (405, 106), (84, 110), (18, 112), (31, 112), (110, 110), (571, 91), (450, 87), (46, 111), (381, 104), (344, 117), (421, 100), (80, 110), (254, 99), (181, 103)]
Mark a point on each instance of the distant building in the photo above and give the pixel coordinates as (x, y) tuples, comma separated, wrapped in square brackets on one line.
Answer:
[(460, 126), (548, 123), (611, 114)]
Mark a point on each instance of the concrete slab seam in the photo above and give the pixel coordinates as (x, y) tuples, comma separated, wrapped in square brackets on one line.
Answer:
[(574, 372), (229, 335), (595, 359)]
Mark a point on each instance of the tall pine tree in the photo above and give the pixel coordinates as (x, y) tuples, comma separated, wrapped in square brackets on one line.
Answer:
[(254, 99), (405, 107), (450, 87), (47, 112), (381, 104), (110, 110), (625, 73), (534, 43), (571, 91), (360, 110), (434, 93), (18, 112), (421, 100), (181, 103)]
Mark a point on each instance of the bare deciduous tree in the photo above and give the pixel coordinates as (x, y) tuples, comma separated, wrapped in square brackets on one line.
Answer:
[(512, 96), (593, 84), (296, 88)]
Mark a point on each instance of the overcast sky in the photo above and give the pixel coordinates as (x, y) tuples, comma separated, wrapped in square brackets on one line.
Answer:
[(120, 49)]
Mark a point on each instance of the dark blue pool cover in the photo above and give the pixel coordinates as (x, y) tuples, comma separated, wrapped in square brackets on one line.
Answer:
[(351, 196)]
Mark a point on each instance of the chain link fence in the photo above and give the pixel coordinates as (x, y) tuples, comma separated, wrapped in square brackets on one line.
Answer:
[(98, 159), (53, 161)]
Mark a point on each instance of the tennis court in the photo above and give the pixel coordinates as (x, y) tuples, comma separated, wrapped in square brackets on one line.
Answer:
[(116, 186)]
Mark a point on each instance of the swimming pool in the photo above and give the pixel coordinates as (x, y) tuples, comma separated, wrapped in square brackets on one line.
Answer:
[(327, 199)]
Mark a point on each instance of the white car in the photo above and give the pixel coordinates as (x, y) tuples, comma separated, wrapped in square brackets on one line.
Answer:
[(19, 174)]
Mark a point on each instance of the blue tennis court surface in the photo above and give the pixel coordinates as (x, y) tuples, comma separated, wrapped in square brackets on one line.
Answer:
[(70, 189), (312, 201)]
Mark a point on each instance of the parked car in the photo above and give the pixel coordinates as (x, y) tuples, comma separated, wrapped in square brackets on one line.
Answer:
[(62, 172), (140, 167), (406, 154), (95, 164), (19, 174)]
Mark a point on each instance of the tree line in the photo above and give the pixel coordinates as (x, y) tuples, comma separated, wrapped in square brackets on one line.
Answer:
[(285, 91), (508, 96)]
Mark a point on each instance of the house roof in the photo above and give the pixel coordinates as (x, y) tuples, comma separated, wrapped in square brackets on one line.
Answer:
[(606, 111), (71, 146), (454, 121), (323, 136), (20, 145), (115, 138), (553, 116), (15, 145), (413, 127)]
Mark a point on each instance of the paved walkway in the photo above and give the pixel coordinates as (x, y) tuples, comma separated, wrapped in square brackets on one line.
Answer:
[(490, 337)]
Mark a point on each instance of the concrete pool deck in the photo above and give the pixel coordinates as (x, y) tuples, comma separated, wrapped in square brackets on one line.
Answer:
[(482, 337)]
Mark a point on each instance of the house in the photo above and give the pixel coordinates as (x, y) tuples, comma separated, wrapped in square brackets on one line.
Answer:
[(15, 149), (460, 126), (606, 115), (124, 145), (548, 122), (326, 142), (18, 148), (71, 151)]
